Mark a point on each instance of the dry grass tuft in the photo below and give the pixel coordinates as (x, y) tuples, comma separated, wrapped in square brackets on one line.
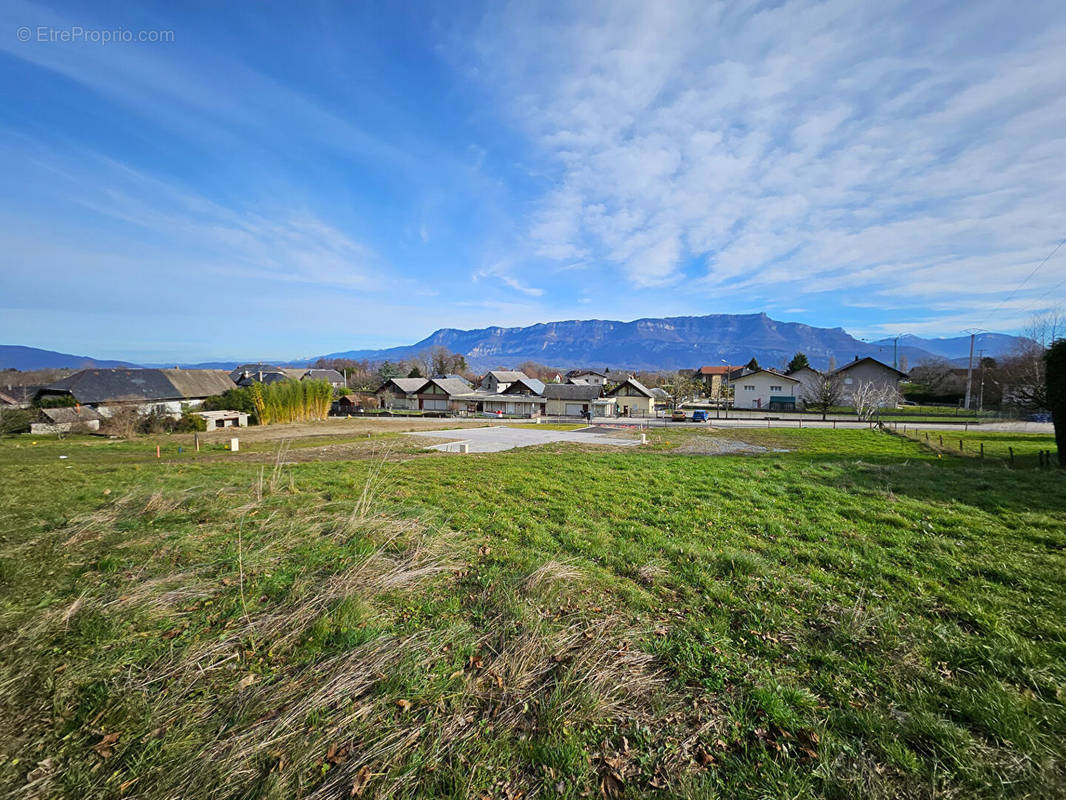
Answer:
[(551, 572), (651, 573)]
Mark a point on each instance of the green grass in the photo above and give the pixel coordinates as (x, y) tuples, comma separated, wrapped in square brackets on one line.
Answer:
[(997, 446), (854, 617)]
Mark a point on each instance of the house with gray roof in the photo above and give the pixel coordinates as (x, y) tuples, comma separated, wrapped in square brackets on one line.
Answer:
[(633, 398), (400, 393), (331, 376), (869, 372), (499, 379), (247, 374), (577, 399), (525, 386), (164, 390), (66, 420)]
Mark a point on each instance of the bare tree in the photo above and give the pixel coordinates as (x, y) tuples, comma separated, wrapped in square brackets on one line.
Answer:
[(124, 421), (869, 396), (682, 387), (1022, 373), (823, 394)]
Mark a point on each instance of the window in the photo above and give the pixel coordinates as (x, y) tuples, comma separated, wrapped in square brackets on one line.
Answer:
[(775, 388), (749, 388), (848, 381)]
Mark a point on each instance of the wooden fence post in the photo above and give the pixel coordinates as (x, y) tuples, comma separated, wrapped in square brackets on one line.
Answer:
[(1011, 449), (960, 445), (982, 449)]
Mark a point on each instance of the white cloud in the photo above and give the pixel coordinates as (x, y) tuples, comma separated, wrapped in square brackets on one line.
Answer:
[(800, 148), (500, 272)]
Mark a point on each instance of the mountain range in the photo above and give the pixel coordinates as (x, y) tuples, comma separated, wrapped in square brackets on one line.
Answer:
[(679, 342), (643, 344)]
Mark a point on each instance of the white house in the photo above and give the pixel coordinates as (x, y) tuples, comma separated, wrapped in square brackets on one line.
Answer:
[(589, 376), (765, 389)]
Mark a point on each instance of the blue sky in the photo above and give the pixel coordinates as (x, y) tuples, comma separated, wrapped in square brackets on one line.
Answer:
[(284, 180)]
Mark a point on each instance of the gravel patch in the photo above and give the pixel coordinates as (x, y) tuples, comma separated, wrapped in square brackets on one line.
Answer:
[(720, 446)]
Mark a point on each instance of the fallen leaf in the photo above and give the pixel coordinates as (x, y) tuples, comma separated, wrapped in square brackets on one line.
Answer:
[(457, 674), (362, 777), (611, 784), (337, 755), (405, 705), (103, 747)]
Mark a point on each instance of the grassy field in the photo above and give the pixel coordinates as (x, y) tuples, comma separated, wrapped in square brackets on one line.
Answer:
[(831, 614), (997, 446)]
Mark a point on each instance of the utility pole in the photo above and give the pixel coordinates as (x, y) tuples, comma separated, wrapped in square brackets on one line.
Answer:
[(969, 369), (981, 381)]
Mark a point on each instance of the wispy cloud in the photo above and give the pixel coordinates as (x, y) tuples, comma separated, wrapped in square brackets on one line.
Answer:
[(500, 272), (802, 147)]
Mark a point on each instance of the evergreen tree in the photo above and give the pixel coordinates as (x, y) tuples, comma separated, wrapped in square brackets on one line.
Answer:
[(753, 365), (1055, 378), (799, 360)]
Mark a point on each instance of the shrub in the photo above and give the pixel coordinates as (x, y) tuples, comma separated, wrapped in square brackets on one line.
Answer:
[(190, 421), (57, 401), (292, 401), (236, 399), (15, 420)]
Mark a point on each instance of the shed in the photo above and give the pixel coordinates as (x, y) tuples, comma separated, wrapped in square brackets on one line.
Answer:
[(66, 419)]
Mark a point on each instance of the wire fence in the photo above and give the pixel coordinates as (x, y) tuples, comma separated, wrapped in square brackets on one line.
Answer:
[(1018, 451)]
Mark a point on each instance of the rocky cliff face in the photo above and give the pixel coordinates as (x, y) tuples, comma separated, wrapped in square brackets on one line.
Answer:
[(669, 343)]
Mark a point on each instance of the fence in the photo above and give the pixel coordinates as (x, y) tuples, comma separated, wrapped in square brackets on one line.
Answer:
[(1015, 452)]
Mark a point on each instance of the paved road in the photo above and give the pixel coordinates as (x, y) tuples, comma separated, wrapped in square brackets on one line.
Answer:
[(497, 438)]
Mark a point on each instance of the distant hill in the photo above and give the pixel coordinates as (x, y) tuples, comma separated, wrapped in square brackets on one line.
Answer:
[(653, 343), (667, 343), (14, 356), (955, 349)]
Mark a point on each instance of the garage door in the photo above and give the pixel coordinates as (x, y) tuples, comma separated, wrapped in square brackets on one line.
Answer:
[(435, 405), (573, 409)]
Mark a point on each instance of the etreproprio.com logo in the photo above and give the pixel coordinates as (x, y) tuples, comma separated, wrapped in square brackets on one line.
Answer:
[(76, 33)]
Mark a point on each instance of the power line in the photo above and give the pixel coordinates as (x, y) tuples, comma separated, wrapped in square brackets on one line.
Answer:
[(1045, 294), (1018, 288)]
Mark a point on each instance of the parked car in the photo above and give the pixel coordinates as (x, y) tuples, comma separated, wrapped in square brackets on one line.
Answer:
[(677, 415), (1039, 418), (699, 416)]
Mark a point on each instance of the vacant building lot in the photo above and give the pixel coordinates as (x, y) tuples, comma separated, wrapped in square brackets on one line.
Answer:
[(741, 614)]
